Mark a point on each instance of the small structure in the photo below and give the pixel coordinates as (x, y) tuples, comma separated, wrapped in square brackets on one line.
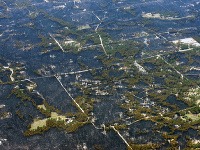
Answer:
[(187, 41)]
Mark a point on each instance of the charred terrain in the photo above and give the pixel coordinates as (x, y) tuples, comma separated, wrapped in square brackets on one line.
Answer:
[(100, 74)]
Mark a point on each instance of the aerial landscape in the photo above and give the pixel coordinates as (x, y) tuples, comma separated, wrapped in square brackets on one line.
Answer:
[(99, 75)]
